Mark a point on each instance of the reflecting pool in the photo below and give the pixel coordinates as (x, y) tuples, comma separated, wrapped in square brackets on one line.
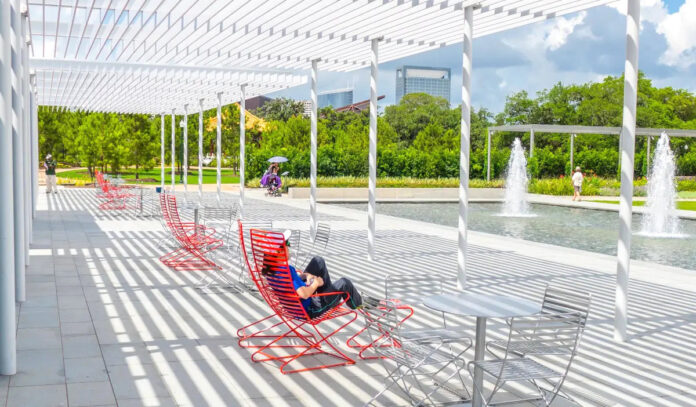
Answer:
[(583, 229)]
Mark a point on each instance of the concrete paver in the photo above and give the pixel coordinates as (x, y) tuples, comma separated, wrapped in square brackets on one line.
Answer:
[(106, 323)]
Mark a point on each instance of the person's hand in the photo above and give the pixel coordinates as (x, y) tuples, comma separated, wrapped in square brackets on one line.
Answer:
[(319, 281)]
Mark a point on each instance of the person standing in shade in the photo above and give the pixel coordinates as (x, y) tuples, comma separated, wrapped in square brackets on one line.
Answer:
[(50, 166), (577, 183)]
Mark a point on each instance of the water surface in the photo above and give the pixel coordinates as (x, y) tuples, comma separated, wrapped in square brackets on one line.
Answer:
[(584, 229)]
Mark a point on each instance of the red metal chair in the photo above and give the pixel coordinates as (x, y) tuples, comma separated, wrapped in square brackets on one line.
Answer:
[(247, 333), (196, 241), (116, 197), (275, 285)]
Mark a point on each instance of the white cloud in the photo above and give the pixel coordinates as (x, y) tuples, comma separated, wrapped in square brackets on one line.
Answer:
[(653, 11), (680, 31), (562, 28)]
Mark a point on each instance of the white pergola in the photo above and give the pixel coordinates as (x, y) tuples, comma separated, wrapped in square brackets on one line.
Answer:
[(332, 35), (573, 131)]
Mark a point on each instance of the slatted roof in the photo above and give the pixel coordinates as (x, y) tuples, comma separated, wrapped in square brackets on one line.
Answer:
[(153, 89), (256, 34), (574, 129)]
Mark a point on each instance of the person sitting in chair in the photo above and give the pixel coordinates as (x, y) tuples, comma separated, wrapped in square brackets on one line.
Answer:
[(315, 279)]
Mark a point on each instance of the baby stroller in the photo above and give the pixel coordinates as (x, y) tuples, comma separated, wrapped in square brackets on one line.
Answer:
[(272, 183)]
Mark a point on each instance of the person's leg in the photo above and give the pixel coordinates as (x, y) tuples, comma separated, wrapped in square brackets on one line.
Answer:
[(317, 267), (54, 185), (49, 184), (346, 286)]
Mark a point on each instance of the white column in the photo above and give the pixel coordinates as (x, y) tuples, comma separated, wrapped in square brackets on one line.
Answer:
[(372, 184), (464, 145), (18, 153), (488, 155), (531, 143), (200, 152), (313, 153), (162, 152), (628, 140), (173, 150), (218, 157), (26, 138), (8, 355), (572, 152), (242, 147), (34, 146), (185, 161)]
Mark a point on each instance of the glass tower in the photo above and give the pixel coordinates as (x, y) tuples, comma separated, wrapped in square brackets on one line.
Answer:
[(335, 98), (418, 79)]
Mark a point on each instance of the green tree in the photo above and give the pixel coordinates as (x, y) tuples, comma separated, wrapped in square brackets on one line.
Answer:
[(280, 109)]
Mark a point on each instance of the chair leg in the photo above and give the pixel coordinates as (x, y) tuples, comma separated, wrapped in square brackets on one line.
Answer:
[(344, 359), (245, 336)]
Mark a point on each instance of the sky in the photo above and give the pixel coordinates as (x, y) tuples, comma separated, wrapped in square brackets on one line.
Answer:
[(576, 48)]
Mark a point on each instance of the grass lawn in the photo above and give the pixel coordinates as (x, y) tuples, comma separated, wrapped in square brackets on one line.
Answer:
[(683, 205), (153, 176)]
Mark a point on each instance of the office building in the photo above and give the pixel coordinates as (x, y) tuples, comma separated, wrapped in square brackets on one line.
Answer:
[(335, 98), (417, 79)]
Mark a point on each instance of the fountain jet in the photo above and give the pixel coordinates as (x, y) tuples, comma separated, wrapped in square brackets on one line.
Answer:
[(660, 218), (516, 183)]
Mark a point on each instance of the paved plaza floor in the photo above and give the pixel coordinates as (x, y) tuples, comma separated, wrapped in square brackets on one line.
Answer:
[(105, 323)]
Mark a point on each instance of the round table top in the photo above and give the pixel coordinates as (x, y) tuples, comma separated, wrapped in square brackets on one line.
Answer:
[(482, 305)]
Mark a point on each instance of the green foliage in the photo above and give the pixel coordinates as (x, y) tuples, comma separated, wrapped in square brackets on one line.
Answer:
[(417, 138), (153, 176), (280, 109), (382, 182)]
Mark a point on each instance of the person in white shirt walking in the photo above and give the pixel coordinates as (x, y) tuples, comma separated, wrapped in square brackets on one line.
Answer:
[(577, 183)]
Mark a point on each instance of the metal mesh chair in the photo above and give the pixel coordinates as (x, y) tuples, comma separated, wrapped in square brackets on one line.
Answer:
[(556, 301), (418, 369), (222, 220), (536, 337), (411, 290), (321, 240)]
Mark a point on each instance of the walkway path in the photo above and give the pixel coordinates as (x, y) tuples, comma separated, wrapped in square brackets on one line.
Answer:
[(106, 323)]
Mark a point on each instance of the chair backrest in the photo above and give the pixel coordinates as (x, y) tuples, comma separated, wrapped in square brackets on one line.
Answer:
[(272, 274), (246, 226), (382, 322), (560, 301), (170, 214), (219, 215), (545, 334), (321, 236), (321, 240)]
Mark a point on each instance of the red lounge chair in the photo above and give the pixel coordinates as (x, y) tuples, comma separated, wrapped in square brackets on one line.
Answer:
[(269, 252), (116, 197), (196, 241)]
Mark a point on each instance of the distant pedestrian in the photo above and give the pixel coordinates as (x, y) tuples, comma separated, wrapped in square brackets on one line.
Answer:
[(50, 166), (577, 183)]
